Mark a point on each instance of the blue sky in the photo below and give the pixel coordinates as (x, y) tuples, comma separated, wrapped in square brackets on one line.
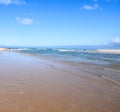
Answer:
[(59, 22)]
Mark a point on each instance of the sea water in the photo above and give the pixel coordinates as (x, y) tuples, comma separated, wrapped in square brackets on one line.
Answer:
[(75, 53)]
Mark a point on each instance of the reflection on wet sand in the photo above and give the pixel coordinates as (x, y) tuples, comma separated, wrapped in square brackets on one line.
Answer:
[(29, 84)]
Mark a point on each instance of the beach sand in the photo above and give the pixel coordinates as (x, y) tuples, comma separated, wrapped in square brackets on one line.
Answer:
[(108, 51), (31, 84)]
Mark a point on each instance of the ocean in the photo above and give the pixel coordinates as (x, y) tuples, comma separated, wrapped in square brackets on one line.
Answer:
[(86, 54)]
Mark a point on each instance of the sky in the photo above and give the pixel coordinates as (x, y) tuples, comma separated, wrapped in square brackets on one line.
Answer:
[(59, 22)]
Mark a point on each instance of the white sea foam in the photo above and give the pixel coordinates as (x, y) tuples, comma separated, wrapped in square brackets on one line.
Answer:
[(66, 50)]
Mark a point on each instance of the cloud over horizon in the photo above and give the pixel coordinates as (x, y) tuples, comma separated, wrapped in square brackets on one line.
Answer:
[(25, 21), (9, 2), (116, 41)]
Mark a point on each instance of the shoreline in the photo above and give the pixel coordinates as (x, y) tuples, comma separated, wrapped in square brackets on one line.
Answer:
[(38, 84)]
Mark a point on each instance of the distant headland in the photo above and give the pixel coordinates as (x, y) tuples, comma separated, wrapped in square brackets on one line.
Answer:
[(4, 49)]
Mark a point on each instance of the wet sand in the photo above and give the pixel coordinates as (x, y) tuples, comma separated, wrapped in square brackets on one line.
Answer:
[(31, 84)]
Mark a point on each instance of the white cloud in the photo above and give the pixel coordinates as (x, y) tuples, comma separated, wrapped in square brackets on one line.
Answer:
[(105, 0), (25, 21), (116, 40), (8, 2), (110, 0), (90, 7)]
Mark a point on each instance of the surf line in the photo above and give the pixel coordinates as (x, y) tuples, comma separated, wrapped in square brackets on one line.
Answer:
[(109, 79)]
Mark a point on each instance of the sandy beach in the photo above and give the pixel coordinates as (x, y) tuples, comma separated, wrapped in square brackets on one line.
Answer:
[(108, 51), (31, 84)]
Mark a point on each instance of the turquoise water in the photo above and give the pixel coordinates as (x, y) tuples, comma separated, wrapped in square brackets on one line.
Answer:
[(76, 54)]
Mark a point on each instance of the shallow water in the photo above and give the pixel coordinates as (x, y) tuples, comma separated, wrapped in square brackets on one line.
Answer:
[(74, 55)]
